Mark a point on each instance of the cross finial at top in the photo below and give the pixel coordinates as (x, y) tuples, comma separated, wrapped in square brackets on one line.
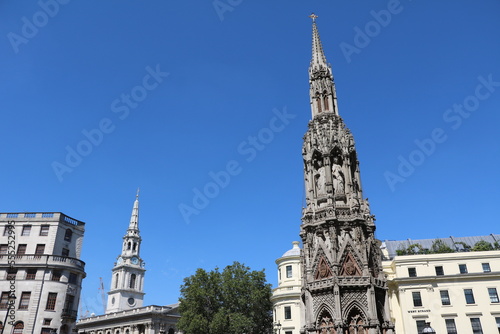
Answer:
[(313, 17)]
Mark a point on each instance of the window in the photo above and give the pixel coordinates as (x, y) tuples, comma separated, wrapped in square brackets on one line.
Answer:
[(445, 297), (26, 230), (469, 296), (288, 332), (44, 230), (132, 282), (21, 249), (288, 271), (439, 271), (68, 235), (3, 249), (46, 330), (450, 326), (279, 273), (40, 249), (30, 274), (18, 328), (4, 300), (463, 268), (417, 299), (56, 275), (51, 301), (476, 326), (6, 230), (11, 274), (25, 300), (493, 295), (497, 319), (47, 321), (288, 312), (486, 268), (65, 252), (30, 215), (72, 278), (420, 326), (412, 272)]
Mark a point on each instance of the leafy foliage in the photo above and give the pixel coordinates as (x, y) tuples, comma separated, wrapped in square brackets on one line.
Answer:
[(439, 246), (482, 246), (233, 301)]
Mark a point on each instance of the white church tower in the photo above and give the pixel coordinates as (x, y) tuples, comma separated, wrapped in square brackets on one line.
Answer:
[(127, 282)]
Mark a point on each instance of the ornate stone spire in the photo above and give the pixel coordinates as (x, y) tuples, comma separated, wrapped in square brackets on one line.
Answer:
[(344, 289), (323, 97)]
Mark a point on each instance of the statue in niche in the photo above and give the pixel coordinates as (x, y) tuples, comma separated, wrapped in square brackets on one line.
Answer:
[(320, 179), (354, 204), (338, 177)]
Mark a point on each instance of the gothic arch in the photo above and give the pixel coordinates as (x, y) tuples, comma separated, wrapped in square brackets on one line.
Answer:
[(355, 319), (324, 321)]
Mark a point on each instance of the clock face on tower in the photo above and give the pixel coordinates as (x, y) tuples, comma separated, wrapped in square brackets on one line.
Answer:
[(134, 260)]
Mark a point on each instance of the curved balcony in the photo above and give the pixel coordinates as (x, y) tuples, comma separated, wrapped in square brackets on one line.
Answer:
[(48, 260)]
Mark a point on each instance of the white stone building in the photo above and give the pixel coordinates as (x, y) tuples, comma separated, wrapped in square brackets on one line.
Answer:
[(40, 265), (455, 292), (287, 311), (125, 313)]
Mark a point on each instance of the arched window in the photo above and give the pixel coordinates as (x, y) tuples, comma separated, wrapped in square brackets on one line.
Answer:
[(132, 281), (325, 101), (68, 235), (318, 102), (171, 331), (135, 246), (116, 281), (129, 245), (18, 328)]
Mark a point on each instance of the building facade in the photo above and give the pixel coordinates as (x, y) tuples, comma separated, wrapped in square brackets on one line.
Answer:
[(125, 313), (288, 316), (344, 289), (456, 292), (40, 272)]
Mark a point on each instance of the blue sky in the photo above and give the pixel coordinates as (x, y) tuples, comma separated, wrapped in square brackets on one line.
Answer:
[(172, 93)]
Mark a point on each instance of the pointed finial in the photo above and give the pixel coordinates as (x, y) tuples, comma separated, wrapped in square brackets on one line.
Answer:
[(313, 17), (137, 194)]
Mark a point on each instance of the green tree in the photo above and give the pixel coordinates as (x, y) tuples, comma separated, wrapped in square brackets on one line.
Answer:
[(439, 246), (482, 246), (233, 301)]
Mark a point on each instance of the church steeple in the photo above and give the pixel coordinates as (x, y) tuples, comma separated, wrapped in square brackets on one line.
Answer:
[(323, 97), (127, 281), (344, 288)]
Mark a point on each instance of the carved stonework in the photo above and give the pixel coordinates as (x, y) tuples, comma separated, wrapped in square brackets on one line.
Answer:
[(323, 270), (344, 290), (350, 266)]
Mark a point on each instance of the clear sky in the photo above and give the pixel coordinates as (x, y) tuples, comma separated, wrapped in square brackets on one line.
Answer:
[(98, 98)]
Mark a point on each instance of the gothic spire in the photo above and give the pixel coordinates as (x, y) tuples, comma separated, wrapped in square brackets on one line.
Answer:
[(318, 61), (323, 97)]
